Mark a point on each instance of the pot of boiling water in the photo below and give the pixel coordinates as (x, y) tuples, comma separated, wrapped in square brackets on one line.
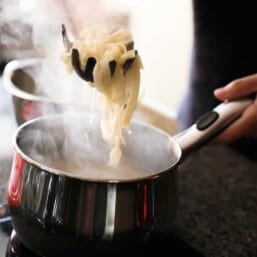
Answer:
[(64, 199)]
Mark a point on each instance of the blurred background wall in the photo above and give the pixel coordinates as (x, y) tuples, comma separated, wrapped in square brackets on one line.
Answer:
[(163, 36)]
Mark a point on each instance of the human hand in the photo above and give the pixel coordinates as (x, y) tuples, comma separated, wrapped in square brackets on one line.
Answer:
[(246, 125)]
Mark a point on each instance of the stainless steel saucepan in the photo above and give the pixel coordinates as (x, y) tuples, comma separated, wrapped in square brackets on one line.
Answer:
[(21, 80), (64, 199)]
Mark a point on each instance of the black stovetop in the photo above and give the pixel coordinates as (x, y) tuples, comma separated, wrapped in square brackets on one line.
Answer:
[(165, 246)]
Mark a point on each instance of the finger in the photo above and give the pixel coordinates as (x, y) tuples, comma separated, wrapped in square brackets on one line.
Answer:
[(245, 126), (237, 88)]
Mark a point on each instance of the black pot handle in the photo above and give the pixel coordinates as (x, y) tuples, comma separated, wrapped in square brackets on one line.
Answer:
[(211, 124)]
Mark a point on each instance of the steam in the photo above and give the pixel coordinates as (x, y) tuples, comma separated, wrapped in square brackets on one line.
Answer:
[(32, 28), (42, 19), (65, 154)]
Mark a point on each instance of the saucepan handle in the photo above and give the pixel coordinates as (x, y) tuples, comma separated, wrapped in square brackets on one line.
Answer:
[(211, 124)]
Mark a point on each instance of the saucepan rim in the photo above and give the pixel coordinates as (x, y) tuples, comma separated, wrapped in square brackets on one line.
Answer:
[(173, 146)]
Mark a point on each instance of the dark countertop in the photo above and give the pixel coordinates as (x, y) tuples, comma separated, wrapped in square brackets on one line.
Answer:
[(218, 202)]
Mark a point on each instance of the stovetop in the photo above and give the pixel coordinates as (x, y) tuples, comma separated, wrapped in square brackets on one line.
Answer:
[(11, 245)]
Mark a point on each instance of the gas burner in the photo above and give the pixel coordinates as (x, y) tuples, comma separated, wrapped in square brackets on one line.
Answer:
[(165, 246)]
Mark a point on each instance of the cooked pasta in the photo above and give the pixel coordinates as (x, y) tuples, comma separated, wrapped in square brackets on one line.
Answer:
[(109, 63)]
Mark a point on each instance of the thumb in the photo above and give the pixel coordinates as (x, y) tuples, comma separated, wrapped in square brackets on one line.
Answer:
[(237, 88)]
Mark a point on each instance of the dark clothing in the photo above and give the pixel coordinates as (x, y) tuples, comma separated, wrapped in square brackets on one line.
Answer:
[(224, 49)]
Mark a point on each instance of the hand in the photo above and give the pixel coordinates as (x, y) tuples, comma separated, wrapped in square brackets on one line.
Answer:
[(246, 125)]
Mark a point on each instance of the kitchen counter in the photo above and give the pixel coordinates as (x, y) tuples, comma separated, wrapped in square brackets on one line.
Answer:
[(218, 202)]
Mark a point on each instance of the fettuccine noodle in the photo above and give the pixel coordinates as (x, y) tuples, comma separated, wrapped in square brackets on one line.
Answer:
[(120, 88)]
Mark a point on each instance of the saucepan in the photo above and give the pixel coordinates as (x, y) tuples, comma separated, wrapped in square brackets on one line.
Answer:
[(65, 200), (21, 80)]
